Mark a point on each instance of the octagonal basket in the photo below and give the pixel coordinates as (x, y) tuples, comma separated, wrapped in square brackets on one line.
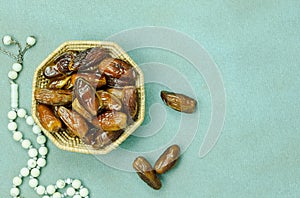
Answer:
[(62, 139)]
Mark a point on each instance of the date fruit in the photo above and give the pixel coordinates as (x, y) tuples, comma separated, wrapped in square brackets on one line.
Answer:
[(116, 68), (99, 139), (86, 95), (54, 97), (146, 172), (109, 101), (88, 60), (112, 120), (73, 121), (178, 102), (47, 118), (167, 160)]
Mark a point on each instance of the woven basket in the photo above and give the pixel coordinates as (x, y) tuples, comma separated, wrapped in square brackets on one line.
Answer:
[(61, 139)]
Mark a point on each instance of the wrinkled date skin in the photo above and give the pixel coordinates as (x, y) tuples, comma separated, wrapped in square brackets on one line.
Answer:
[(109, 101), (58, 83), (64, 62), (84, 113), (167, 160), (48, 119), (146, 172), (52, 71), (99, 139), (73, 121), (112, 120), (88, 60), (86, 95), (95, 79), (118, 72), (54, 97), (129, 97), (179, 102)]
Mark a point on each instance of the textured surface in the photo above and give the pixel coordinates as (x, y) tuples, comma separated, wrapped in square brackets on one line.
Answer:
[(256, 46)]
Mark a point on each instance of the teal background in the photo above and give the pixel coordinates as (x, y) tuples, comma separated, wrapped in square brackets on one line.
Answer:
[(256, 45)]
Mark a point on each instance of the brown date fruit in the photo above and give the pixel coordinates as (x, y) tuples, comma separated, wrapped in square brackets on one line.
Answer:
[(129, 97), (109, 101), (58, 83), (178, 102), (99, 139), (112, 120), (84, 113), (86, 95), (73, 121), (88, 59), (52, 71), (54, 97), (167, 160), (95, 79), (119, 82), (64, 62), (117, 68), (47, 118), (146, 172)]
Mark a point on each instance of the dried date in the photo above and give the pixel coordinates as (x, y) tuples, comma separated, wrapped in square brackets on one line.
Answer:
[(55, 97), (167, 160), (146, 172), (179, 102), (47, 118), (73, 121)]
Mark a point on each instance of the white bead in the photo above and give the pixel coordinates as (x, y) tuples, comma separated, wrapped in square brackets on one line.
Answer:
[(32, 152), (12, 126), (7, 40), (12, 115), (17, 67), (26, 144), (31, 40), (29, 120), (21, 113), (17, 181), (12, 75), (43, 150), (35, 172), (24, 172), (83, 192), (50, 189), (33, 183), (76, 196), (40, 190), (36, 129), (41, 139), (41, 162), (31, 163), (46, 196), (60, 183), (17, 136), (14, 192), (76, 183), (57, 195), (70, 191)]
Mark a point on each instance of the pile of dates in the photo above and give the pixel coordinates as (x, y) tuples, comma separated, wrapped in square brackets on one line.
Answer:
[(90, 95)]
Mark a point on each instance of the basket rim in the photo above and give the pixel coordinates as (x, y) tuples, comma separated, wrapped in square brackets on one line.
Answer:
[(126, 133)]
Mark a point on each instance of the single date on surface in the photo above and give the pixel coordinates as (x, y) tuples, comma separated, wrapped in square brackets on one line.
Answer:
[(90, 95), (178, 102)]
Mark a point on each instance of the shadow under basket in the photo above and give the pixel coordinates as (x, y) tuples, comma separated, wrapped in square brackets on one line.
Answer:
[(74, 144)]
